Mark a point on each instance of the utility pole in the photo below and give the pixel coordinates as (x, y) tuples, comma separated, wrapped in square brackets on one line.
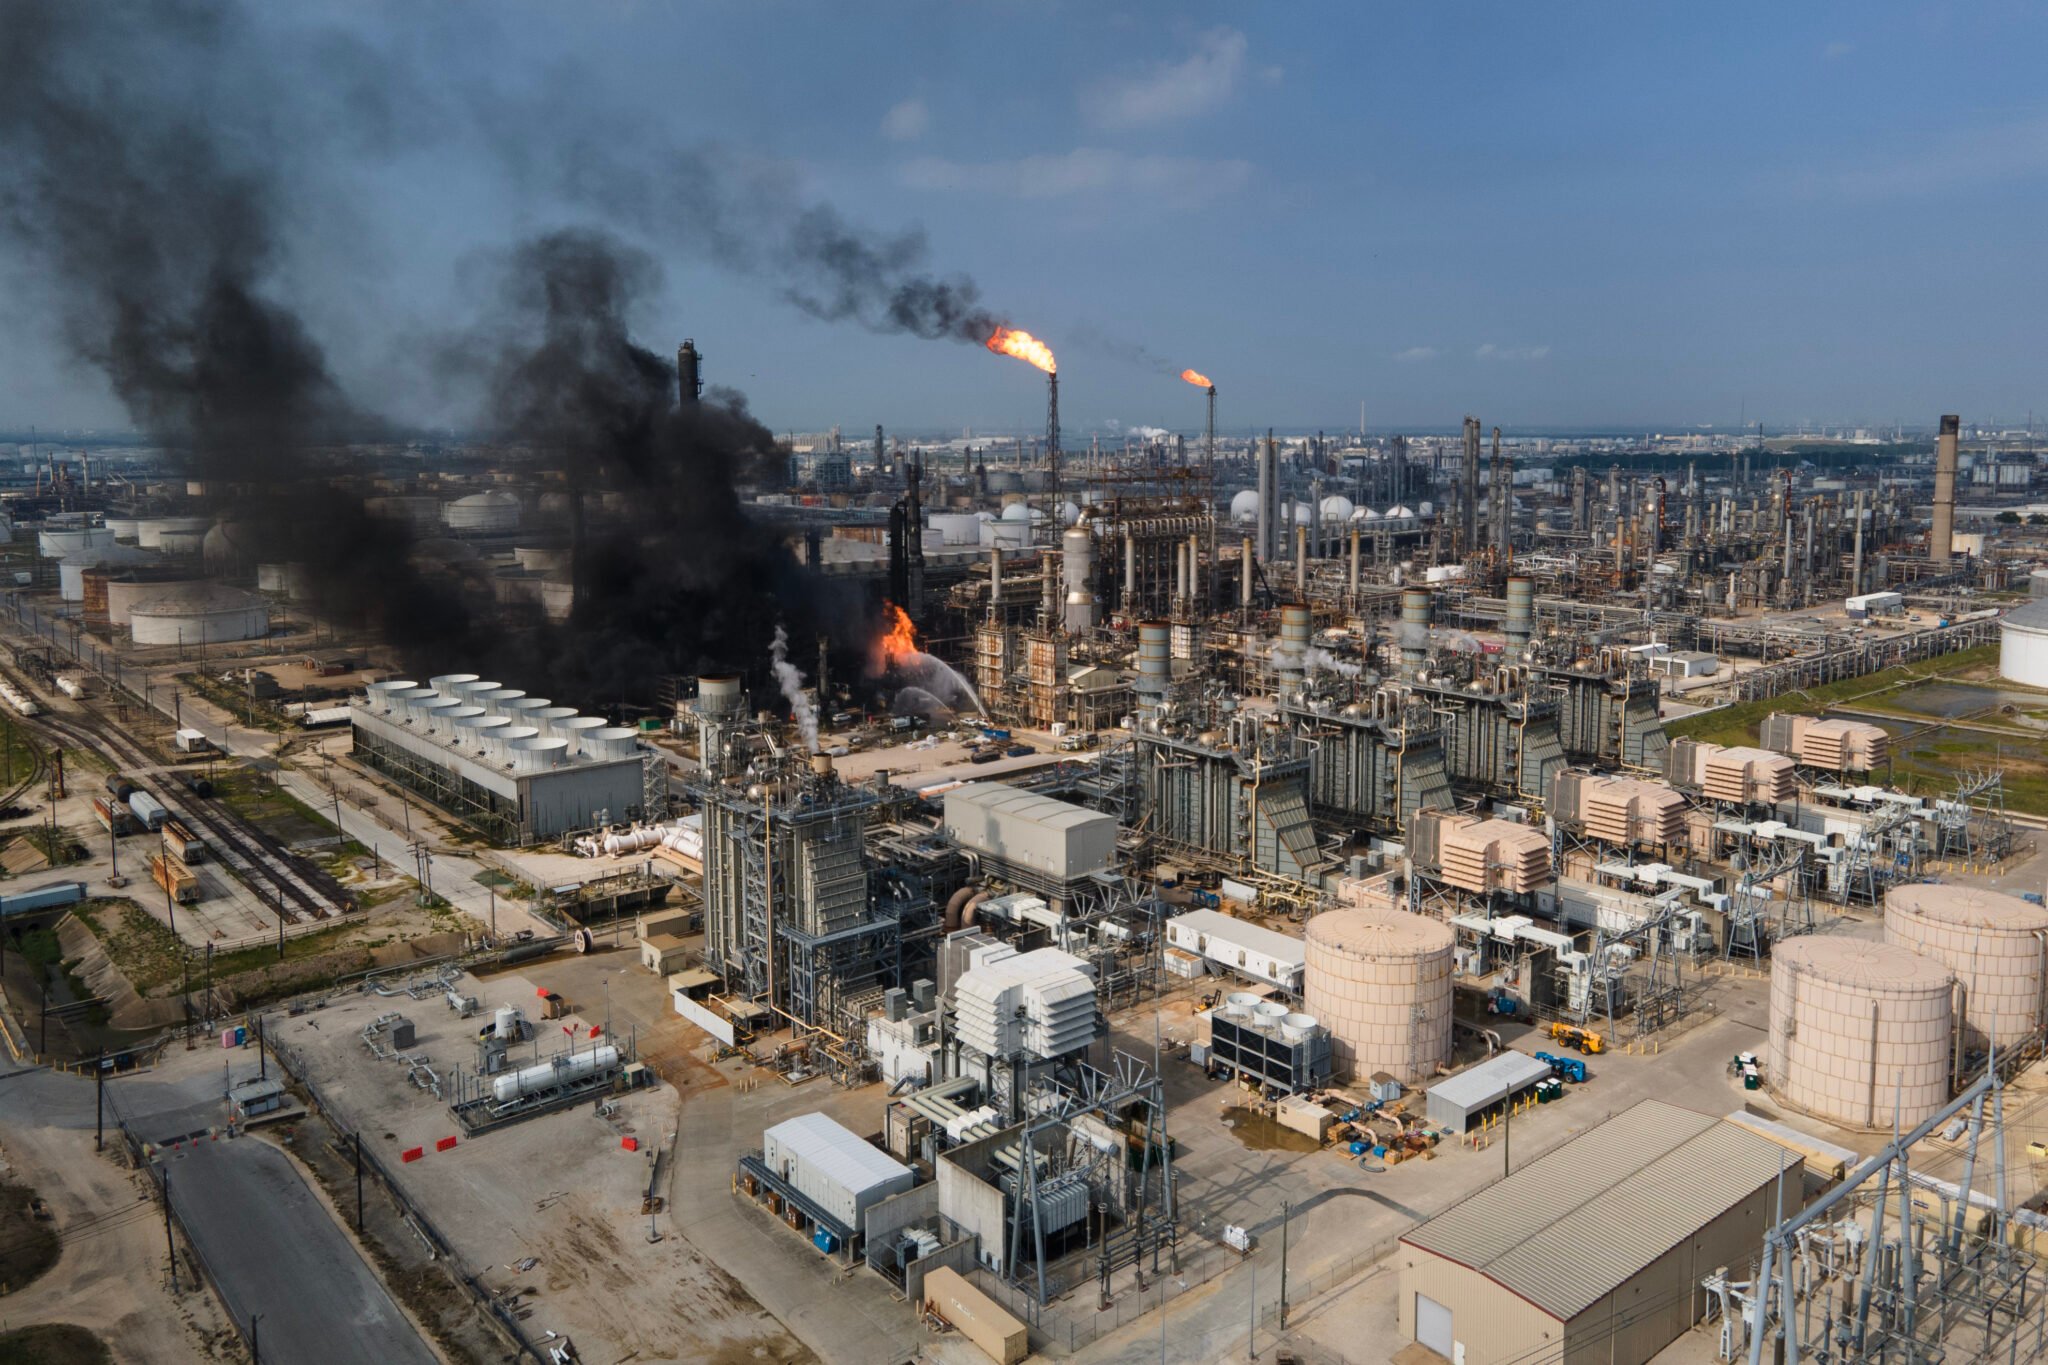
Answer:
[(1286, 1210), (99, 1099), (169, 1244), (262, 1061)]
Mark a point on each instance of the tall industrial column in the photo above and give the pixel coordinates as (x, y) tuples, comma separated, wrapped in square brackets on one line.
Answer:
[(1941, 540)]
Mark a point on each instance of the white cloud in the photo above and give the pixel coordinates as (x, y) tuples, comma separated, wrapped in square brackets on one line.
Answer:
[(1176, 90), (908, 121), (1489, 351), (1085, 170), (1418, 353)]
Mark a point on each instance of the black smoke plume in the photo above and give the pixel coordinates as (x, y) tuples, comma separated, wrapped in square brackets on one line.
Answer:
[(158, 165), (671, 575)]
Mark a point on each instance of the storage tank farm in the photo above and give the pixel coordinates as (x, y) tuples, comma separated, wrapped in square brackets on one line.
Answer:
[(1380, 981), (1857, 1027), (1997, 946)]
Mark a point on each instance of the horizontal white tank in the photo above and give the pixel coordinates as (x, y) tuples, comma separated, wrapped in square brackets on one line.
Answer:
[(1380, 981), (1857, 1027), (1994, 943), (557, 1071)]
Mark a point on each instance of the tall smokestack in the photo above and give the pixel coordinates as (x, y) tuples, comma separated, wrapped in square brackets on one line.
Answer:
[(1209, 434), (1941, 539), (1268, 475), (1052, 449), (1856, 570), (1414, 634), (1468, 503), (689, 372)]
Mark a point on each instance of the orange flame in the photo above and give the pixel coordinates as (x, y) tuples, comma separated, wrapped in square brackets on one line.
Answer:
[(1024, 346), (899, 642), (1198, 379)]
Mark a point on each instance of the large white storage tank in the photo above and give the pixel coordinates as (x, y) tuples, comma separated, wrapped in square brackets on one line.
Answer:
[(2023, 645), (1997, 945), (1380, 981), (492, 510), (1857, 1026), (209, 615)]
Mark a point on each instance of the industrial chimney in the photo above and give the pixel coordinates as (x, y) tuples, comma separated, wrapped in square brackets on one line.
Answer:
[(689, 372), (1942, 537)]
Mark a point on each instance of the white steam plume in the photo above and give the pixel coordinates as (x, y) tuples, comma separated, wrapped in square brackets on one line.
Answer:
[(792, 683)]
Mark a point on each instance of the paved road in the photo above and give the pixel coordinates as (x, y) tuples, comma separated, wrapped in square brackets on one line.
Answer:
[(274, 1249)]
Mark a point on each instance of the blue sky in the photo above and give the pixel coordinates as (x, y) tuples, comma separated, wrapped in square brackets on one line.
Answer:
[(1611, 215)]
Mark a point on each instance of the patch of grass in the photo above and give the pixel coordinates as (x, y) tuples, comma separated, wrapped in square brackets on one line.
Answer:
[(146, 951), (60, 845), (28, 1247), (54, 1343), (1739, 724), (384, 895), (40, 947), (227, 965), (262, 802)]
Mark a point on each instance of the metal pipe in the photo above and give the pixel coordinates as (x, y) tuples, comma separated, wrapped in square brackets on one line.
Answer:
[(1244, 573), (1856, 567)]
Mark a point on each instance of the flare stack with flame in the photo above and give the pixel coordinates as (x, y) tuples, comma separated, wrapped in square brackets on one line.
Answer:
[(1024, 346), (1198, 379)]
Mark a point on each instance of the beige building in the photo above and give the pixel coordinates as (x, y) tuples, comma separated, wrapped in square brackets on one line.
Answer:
[(1593, 1252)]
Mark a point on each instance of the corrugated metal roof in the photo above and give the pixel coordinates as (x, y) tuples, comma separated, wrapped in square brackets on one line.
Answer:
[(1490, 1080), (1274, 944), (1577, 1223), (837, 1152), (1043, 810)]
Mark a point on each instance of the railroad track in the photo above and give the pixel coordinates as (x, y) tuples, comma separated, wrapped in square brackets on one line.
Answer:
[(297, 892)]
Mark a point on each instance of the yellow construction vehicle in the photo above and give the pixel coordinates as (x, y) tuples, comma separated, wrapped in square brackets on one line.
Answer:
[(1584, 1039)]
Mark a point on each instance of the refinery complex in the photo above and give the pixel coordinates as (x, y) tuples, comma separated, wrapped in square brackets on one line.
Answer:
[(1423, 817), (606, 758)]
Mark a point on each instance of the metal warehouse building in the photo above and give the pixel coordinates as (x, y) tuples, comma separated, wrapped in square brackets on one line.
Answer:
[(828, 1174), (510, 764), (1595, 1251)]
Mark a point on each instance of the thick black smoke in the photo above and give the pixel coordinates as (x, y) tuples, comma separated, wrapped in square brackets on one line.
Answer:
[(672, 576), (158, 164)]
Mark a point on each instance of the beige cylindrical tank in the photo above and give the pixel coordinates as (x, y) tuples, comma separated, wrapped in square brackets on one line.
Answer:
[(1380, 981), (1994, 943), (1857, 1025)]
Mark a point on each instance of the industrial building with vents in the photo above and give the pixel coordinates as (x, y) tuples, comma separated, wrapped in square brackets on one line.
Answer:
[(512, 765)]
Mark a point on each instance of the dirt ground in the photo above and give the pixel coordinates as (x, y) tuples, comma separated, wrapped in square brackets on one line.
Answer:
[(562, 1189), (110, 1273)]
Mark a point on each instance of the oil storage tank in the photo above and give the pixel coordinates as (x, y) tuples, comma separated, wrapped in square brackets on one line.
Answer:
[(1857, 1025), (1997, 945), (1380, 981)]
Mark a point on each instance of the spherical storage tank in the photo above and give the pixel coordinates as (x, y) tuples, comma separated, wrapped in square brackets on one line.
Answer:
[(1380, 981), (1245, 506), (208, 617), (1994, 943), (1856, 1025)]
